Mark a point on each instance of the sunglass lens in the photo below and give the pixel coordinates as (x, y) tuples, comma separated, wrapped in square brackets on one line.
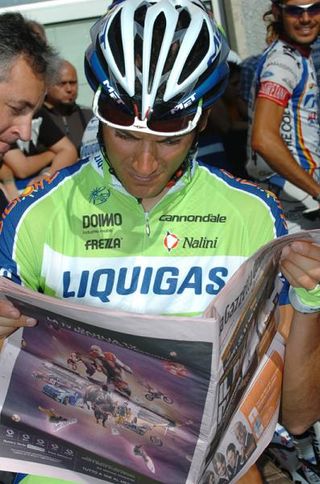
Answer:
[(297, 11), (314, 9), (169, 126), (114, 114)]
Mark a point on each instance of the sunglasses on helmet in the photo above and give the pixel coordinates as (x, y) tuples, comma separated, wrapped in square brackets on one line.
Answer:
[(111, 115), (298, 10)]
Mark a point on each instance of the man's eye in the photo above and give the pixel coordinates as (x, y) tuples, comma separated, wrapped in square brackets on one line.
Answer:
[(16, 109), (171, 141), (123, 135)]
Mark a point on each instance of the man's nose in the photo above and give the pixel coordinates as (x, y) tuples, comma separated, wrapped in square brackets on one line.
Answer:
[(23, 128), (305, 17), (145, 159)]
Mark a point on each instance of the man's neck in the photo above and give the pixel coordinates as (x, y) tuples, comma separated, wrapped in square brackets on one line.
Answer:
[(304, 49), (62, 109), (149, 203)]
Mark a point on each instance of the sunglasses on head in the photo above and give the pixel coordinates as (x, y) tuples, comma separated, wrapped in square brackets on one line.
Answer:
[(111, 115), (298, 10)]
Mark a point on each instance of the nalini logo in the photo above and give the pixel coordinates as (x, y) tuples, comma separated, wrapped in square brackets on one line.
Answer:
[(171, 241), (99, 195)]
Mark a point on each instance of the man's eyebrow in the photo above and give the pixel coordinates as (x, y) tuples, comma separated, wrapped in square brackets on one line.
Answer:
[(132, 135), (22, 104), (126, 132)]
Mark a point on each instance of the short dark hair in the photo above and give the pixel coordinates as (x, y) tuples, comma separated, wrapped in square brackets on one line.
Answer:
[(17, 39), (218, 458), (231, 447), (38, 29), (57, 67)]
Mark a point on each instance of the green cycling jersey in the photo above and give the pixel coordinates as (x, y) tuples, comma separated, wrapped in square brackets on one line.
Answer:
[(99, 247)]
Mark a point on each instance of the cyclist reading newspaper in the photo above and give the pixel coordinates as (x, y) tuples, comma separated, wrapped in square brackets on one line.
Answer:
[(141, 225)]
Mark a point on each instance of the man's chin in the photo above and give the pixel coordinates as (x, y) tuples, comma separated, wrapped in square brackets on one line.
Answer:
[(68, 103)]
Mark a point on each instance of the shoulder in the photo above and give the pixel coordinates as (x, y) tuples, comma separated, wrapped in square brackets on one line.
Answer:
[(50, 132), (86, 109), (228, 184), (244, 198), (87, 112), (43, 197), (250, 63), (43, 113), (283, 66), (281, 55)]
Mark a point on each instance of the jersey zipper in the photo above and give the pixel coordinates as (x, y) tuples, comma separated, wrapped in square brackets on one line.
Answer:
[(147, 224)]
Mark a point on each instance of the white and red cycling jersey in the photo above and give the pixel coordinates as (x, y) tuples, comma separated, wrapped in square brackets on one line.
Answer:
[(286, 75)]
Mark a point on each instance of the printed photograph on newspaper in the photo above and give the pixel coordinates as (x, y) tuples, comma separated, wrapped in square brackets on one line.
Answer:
[(102, 403)]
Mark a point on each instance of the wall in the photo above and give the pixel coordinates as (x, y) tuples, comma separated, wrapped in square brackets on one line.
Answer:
[(245, 25), (71, 40)]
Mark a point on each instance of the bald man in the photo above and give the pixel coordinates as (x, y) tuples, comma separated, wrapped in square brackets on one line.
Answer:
[(61, 103)]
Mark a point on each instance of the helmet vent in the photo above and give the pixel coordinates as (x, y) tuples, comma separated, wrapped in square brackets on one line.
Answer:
[(115, 43), (197, 53), (159, 26)]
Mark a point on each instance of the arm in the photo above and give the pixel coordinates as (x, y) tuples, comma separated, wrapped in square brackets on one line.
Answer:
[(23, 166), (51, 146), (65, 154), (301, 386), (300, 406), (8, 182), (267, 141)]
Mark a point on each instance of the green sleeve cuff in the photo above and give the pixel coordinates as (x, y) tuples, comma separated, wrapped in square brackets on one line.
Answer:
[(309, 298)]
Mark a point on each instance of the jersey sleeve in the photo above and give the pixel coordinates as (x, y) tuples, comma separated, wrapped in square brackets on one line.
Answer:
[(279, 75), (21, 243)]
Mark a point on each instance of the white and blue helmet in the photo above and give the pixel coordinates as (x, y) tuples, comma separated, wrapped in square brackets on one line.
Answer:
[(157, 58)]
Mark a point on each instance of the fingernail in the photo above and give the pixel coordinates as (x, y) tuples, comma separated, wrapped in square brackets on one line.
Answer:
[(31, 322)]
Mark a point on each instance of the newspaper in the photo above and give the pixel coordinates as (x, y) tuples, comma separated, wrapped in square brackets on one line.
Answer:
[(93, 395)]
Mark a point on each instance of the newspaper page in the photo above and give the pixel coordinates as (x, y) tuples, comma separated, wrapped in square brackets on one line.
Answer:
[(251, 362), (95, 396)]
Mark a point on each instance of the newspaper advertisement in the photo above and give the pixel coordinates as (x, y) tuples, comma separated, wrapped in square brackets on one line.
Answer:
[(93, 395)]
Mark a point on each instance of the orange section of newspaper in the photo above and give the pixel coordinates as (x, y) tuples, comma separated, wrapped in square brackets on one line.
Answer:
[(262, 400)]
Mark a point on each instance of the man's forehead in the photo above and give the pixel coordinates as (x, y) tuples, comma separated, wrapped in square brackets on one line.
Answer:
[(140, 135)]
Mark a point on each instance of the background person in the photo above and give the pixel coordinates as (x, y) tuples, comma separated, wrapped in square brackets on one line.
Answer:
[(228, 121), (24, 67), (283, 144), (48, 147), (61, 103)]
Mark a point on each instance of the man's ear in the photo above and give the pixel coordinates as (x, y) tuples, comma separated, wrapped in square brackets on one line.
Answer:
[(276, 12), (203, 120)]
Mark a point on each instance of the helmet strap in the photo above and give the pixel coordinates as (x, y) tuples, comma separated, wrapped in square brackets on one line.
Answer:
[(103, 150)]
